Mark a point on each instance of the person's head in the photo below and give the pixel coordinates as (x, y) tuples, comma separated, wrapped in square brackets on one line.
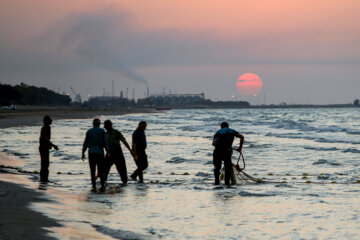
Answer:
[(224, 125), (96, 122), (142, 125), (47, 120), (108, 124)]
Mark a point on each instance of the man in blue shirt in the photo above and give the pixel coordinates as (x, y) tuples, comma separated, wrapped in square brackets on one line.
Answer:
[(138, 146), (223, 140), (96, 141)]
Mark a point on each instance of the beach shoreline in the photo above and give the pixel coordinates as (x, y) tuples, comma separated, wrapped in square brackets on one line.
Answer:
[(22, 222), (18, 220), (32, 116)]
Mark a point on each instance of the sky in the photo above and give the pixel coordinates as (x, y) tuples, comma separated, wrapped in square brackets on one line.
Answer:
[(305, 51)]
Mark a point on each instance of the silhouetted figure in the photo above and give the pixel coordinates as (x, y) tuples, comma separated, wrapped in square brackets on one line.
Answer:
[(138, 147), (96, 141), (116, 154), (45, 146), (223, 140)]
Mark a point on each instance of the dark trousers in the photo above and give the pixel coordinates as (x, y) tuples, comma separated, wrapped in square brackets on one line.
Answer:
[(117, 158), (96, 160), (220, 155), (142, 164), (44, 164)]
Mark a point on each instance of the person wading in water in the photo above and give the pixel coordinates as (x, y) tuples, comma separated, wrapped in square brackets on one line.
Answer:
[(223, 140), (45, 146), (138, 147), (96, 141), (116, 154)]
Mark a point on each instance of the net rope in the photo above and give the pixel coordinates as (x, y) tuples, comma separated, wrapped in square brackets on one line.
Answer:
[(238, 176)]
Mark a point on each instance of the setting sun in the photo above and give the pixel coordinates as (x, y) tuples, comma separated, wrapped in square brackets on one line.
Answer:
[(249, 84)]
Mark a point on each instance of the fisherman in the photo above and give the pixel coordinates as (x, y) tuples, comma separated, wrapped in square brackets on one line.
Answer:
[(116, 155), (45, 146), (96, 141), (138, 147), (223, 140)]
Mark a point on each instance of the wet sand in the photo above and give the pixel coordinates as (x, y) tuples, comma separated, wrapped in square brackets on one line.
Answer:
[(17, 220), (32, 116)]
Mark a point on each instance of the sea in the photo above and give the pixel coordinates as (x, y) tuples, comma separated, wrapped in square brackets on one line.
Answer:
[(308, 161)]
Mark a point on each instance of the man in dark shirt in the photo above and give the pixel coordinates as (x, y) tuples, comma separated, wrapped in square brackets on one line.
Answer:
[(116, 155), (223, 140), (138, 147), (96, 141), (45, 146)]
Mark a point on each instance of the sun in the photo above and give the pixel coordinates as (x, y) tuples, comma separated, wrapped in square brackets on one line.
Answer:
[(249, 84)]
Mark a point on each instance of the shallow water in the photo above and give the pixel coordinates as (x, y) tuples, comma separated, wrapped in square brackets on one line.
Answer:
[(308, 159)]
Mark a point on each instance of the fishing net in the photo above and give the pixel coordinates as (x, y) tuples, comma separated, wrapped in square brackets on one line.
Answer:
[(238, 176)]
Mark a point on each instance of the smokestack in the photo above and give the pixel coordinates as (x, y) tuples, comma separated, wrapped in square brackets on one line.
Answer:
[(147, 92), (133, 94), (127, 93), (121, 94), (113, 92)]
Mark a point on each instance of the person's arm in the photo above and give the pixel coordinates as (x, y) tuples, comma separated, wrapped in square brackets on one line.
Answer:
[(106, 143), (134, 152), (47, 138), (134, 136), (215, 136), (84, 147), (128, 147), (123, 140), (242, 138), (51, 144)]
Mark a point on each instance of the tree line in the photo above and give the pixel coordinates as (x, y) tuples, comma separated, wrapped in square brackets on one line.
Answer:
[(30, 95)]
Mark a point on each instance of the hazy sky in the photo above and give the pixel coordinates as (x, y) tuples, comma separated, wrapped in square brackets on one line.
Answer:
[(305, 51)]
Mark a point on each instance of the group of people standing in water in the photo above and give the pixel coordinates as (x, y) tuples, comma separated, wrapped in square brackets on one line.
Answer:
[(100, 143)]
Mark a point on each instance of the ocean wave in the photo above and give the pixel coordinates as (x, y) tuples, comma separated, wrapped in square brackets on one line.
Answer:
[(252, 145), (324, 176), (351, 150), (119, 234), (177, 160), (70, 157), (353, 132), (189, 128), (202, 174), (322, 149), (326, 162), (286, 135), (283, 185), (324, 140), (304, 126), (14, 153), (249, 194)]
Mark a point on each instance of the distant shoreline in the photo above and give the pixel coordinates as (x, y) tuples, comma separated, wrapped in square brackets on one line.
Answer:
[(308, 106), (32, 115)]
